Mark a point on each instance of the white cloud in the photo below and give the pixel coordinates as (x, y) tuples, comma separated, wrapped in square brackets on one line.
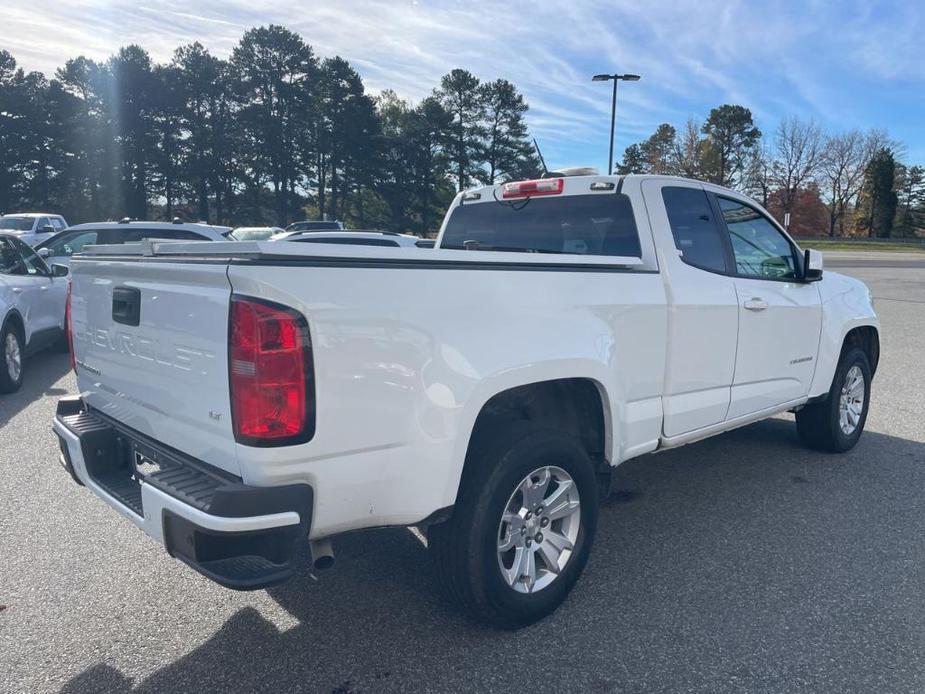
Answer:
[(775, 57)]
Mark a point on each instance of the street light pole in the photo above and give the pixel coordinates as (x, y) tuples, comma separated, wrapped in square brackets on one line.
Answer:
[(613, 108), (613, 122)]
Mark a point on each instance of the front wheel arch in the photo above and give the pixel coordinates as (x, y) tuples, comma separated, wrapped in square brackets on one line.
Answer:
[(867, 339)]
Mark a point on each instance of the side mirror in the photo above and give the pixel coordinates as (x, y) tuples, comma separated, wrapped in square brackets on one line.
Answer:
[(812, 265), (44, 253), (47, 229), (59, 270)]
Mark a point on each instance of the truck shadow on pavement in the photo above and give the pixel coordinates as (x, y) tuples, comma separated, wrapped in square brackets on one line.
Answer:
[(41, 372), (742, 562)]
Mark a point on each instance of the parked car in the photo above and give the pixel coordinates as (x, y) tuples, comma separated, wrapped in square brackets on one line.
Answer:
[(351, 238), (255, 233), (32, 227), (315, 225), (32, 307), (238, 398), (60, 248)]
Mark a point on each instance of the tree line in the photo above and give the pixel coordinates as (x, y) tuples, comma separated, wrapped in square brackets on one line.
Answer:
[(849, 183), (272, 134), (275, 133)]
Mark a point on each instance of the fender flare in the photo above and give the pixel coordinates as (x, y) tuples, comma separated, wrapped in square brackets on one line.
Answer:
[(501, 382)]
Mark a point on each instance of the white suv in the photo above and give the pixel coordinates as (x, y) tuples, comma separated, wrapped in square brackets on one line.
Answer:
[(32, 307), (60, 248), (32, 227)]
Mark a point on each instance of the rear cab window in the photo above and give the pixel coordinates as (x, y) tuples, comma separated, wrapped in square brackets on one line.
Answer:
[(697, 235), (602, 225), (17, 223)]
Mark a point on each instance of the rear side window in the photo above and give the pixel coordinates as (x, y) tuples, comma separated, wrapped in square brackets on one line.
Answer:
[(576, 224), (313, 226), (350, 242), (34, 264), (69, 243), (11, 262), (136, 235), (694, 228)]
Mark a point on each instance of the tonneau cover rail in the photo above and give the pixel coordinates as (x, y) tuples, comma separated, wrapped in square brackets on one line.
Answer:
[(282, 251)]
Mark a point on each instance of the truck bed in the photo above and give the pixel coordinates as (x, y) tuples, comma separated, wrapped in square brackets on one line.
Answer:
[(408, 344)]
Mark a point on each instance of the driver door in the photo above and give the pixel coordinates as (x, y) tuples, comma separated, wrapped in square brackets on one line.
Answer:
[(780, 317)]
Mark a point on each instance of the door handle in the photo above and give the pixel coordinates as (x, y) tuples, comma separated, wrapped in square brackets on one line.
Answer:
[(755, 304), (17, 290)]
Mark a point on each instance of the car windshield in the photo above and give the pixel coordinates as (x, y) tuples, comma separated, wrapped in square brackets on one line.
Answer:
[(16, 223), (577, 224)]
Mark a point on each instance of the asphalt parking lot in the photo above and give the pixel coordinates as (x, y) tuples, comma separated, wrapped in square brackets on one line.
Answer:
[(742, 563)]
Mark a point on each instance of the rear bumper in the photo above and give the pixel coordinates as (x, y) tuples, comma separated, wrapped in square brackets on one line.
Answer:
[(240, 536)]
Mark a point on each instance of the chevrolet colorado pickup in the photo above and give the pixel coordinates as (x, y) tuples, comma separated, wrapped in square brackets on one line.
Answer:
[(240, 399)]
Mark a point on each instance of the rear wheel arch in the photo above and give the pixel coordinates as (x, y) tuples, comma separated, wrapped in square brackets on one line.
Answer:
[(578, 407), (15, 319)]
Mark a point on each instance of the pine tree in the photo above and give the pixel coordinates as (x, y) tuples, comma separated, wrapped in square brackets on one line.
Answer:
[(461, 95), (509, 153), (878, 198), (731, 135), (276, 73)]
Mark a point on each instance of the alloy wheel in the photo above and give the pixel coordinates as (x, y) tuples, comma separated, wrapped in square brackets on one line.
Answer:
[(851, 401), (538, 529), (13, 355)]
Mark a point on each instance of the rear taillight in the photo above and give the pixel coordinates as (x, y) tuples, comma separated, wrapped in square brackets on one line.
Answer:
[(524, 189), (69, 327), (270, 373)]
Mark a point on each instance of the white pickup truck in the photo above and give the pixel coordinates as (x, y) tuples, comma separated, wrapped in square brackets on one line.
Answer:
[(239, 399)]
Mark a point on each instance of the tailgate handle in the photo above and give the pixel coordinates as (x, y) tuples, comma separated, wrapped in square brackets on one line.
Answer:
[(126, 305)]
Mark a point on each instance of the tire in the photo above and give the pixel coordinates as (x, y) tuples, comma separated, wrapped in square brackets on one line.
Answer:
[(466, 548), (820, 425), (11, 358)]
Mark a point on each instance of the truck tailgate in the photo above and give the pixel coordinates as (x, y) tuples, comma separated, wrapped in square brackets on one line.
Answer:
[(151, 344)]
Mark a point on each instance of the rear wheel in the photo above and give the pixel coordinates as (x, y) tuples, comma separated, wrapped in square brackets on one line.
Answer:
[(522, 527), (835, 424), (11, 363)]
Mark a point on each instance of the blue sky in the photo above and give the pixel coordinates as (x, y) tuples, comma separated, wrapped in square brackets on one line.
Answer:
[(845, 64)]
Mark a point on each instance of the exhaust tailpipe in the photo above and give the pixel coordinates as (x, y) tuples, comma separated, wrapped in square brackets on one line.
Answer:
[(322, 553)]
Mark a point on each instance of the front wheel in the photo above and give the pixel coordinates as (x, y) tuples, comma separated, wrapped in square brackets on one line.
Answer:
[(835, 424), (522, 527)]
